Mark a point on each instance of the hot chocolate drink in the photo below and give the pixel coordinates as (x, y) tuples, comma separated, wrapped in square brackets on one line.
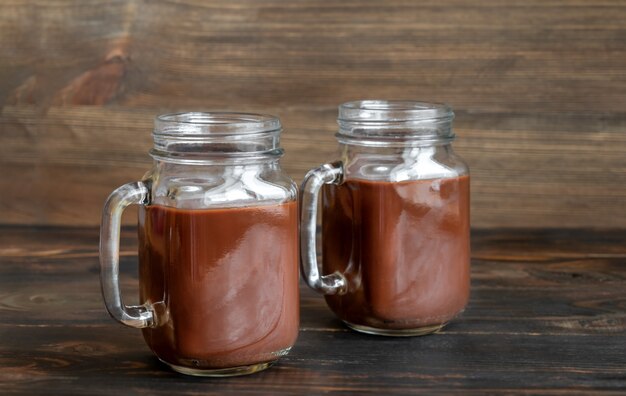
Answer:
[(223, 283), (403, 248)]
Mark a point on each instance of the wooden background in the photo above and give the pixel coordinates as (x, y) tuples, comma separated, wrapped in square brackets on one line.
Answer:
[(539, 88)]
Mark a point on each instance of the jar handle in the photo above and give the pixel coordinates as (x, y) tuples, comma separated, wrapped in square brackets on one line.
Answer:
[(334, 283), (137, 316)]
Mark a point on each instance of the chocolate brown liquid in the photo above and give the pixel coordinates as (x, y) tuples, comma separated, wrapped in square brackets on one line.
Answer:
[(224, 281), (403, 247)]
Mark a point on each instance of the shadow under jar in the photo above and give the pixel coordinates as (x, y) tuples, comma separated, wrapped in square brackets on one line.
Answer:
[(395, 220), (218, 245)]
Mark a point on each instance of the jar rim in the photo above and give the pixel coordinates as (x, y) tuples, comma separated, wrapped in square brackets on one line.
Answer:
[(385, 111), (214, 123), (387, 123)]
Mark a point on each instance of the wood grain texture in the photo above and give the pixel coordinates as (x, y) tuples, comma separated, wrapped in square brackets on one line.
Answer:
[(539, 88), (547, 315)]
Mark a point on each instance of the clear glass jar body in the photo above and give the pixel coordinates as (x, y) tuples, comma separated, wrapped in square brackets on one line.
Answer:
[(218, 245), (395, 220)]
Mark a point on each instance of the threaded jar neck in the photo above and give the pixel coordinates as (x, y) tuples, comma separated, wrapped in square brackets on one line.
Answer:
[(394, 123), (201, 137)]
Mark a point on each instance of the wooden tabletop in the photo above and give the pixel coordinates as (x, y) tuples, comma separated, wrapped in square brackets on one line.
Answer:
[(547, 315)]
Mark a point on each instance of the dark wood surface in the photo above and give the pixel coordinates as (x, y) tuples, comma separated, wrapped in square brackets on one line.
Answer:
[(547, 315), (539, 88)]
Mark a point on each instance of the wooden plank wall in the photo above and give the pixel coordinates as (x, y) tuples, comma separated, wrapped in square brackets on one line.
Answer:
[(539, 88)]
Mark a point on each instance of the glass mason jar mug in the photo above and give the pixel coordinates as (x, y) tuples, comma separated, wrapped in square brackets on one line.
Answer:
[(218, 250), (395, 220)]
